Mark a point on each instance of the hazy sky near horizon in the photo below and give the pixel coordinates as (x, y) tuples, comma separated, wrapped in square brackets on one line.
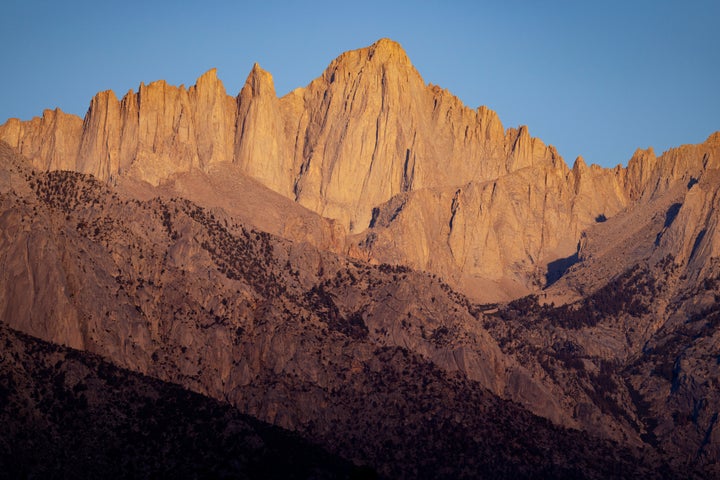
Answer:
[(597, 79)]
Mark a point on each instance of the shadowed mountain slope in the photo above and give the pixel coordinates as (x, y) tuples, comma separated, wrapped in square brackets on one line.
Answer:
[(378, 364), (67, 413)]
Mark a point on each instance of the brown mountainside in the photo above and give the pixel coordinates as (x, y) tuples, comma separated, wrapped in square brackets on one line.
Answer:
[(368, 135), (72, 413), (337, 262), (382, 365)]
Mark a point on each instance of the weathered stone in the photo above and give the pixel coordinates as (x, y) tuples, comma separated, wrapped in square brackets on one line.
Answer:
[(481, 206)]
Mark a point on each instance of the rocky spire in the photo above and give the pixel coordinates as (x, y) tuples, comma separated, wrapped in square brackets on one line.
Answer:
[(260, 140)]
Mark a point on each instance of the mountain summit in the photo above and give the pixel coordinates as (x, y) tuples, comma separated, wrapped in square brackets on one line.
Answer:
[(412, 175)]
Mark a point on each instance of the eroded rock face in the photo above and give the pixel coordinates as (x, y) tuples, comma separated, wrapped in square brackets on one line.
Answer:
[(50, 141), (494, 236), (261, 146), (486, 208)]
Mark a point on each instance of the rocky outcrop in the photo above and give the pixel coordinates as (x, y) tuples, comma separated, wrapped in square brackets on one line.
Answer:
[(648, 176), (261, 145), (494, 239), (481, 205), (50, 141), (374, 130), (149, 135), (690, 232)]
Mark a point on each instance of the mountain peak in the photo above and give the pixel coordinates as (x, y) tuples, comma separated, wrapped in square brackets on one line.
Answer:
[(209, 77), (382, 52), (579, 163), (208, 87), (367, 131), (387, 43), (260, 81), (388, 47), (386, 50)]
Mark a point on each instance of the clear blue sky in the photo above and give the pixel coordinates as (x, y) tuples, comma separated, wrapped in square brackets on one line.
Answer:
[(597, 79)]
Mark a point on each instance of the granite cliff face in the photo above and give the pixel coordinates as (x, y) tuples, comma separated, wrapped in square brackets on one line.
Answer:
[(330, 256), (366, 134)]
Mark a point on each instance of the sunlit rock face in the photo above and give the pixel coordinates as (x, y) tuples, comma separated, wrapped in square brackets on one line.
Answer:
[(298, 256), (496, 205)]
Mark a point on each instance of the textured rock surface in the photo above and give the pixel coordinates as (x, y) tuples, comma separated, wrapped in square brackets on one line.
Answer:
[(365, 134), (302, 338), (50, 141), (167, 267), (169, 289), (493, 239)]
